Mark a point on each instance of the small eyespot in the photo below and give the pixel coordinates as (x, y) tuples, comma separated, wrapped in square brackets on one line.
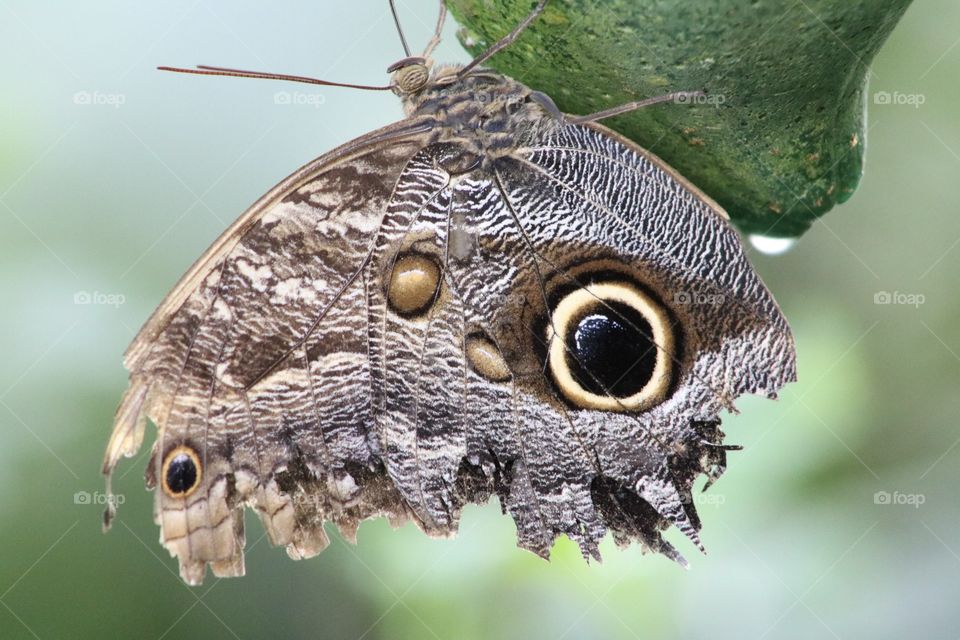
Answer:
[(413, 284), (485, 358), (181, 472), (611, 346)]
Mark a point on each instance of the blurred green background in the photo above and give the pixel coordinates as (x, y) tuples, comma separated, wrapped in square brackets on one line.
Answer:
[(837, 520)]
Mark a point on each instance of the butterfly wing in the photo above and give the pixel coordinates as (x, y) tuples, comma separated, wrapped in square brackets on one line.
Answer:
[(377, 336), (576, 200), (247, 397), (564, 212)]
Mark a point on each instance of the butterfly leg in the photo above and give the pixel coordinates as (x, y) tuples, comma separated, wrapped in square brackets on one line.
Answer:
[(683, 97), (505, 41)]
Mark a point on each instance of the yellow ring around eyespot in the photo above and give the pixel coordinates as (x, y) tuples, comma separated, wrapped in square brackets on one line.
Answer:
[(173, 453), (597, 293)]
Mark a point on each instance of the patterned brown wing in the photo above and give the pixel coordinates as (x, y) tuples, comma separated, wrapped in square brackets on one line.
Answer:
[(485, 301), (581, 234), (251, 403), (469, 399)]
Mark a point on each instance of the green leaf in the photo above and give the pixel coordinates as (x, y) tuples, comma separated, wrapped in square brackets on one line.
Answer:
[(779, 139)]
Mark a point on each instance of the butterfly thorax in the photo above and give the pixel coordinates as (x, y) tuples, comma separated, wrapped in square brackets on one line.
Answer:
[(488, 112)]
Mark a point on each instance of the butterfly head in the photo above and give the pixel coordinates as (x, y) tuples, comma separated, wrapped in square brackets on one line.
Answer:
[(409, 75)]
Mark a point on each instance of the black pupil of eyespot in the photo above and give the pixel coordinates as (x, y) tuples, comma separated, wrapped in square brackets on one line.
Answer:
[(611, 351), (181, 474)]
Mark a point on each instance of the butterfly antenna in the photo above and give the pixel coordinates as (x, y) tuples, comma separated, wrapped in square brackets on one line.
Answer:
[(506, 41), (396, 21), (435, 40), (206, 70)]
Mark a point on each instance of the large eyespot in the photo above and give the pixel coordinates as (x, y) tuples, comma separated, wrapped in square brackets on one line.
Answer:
[(413, 284), (181, 472), (611, 346)]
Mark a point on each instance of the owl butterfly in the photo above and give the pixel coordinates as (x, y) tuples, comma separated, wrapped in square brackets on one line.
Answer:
[(488, 297)]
